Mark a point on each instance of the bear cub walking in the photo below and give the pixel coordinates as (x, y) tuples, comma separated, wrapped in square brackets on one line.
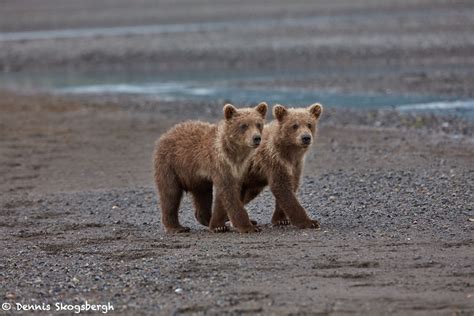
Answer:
[(278, 163), (195, 156)]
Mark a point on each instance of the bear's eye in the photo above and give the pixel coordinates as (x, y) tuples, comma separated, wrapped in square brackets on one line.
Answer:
[(295, 126), (309, 126), (243, 127), (259, 126)]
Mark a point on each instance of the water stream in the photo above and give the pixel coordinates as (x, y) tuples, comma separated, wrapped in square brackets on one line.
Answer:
[(238, 87)]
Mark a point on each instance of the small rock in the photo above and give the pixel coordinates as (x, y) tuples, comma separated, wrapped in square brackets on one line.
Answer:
[(178, 291), (115, 207)]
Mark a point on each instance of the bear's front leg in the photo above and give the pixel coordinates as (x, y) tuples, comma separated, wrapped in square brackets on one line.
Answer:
[(248, 194), (286, 200), (228, 203), (218, 218), (279, 218)]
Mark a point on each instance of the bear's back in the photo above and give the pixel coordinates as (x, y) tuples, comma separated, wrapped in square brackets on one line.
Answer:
[(186, 142)]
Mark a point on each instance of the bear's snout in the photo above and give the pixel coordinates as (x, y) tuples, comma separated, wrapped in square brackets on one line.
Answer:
[(256, 139), (306, 139)]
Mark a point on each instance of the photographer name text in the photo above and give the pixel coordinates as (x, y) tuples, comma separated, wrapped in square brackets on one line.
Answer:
[(60, 307)]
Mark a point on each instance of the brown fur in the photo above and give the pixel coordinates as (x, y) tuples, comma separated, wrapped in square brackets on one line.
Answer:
[(195, 156), (278, 162)]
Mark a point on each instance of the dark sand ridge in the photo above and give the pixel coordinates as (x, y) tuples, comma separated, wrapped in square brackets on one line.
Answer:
[(58, 14), (393, 191)]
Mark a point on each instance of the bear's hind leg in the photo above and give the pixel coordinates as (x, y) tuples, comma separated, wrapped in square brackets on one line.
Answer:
[(202, 201), (248, 194), (170, 192)]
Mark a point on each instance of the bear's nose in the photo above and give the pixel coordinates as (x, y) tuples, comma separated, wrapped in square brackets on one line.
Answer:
[(306, 139), (257, 139)]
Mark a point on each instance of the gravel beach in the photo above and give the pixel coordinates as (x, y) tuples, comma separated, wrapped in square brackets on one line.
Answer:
[(80, 220), (392, 189)]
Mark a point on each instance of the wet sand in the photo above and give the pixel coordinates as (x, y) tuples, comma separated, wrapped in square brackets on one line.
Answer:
[(393, 191)]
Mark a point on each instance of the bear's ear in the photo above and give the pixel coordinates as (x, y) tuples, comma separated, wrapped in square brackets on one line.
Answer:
[(229, 111), (316, 110), (279, 112), (262, 109)]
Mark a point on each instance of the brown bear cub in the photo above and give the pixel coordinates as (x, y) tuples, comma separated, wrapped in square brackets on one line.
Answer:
[(278, 162), (195, 156)]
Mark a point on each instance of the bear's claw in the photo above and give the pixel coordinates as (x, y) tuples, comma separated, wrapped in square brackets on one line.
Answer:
[(283, 222), (247, 230), (254, 222), (177, 230), (314, 224), (220, 229)]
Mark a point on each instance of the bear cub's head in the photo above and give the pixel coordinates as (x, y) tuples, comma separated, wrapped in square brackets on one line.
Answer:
[(244, 126), (297, 126)]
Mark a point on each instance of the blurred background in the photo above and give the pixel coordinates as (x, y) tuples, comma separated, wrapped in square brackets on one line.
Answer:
[(407, 54)]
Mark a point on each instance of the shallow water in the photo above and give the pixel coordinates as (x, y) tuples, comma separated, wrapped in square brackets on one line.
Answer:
[(214, 86)]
